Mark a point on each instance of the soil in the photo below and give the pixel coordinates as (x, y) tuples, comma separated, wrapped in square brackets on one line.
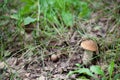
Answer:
[(43, 68)]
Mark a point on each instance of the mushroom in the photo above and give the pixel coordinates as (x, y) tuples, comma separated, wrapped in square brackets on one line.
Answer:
[(90, 47), (54, 57)]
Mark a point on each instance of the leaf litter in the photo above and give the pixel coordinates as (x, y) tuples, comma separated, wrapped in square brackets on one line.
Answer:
[(34, 68)]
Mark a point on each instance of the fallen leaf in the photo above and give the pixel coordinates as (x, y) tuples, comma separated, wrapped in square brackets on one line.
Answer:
[(41, 78), (2, 65)]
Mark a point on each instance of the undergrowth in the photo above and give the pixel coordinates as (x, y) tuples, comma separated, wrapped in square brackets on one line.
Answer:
[(28, 29)]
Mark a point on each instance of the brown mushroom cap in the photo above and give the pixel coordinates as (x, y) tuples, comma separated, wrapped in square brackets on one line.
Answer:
[(89, 45), (54, 57)]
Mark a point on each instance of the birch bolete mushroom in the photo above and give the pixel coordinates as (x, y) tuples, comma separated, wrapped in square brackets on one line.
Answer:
[(90, 47)]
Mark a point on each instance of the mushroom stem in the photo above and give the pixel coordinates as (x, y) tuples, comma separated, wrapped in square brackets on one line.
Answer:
[(87, 56)]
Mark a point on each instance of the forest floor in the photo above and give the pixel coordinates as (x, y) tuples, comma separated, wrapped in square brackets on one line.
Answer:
[(24, 57)]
